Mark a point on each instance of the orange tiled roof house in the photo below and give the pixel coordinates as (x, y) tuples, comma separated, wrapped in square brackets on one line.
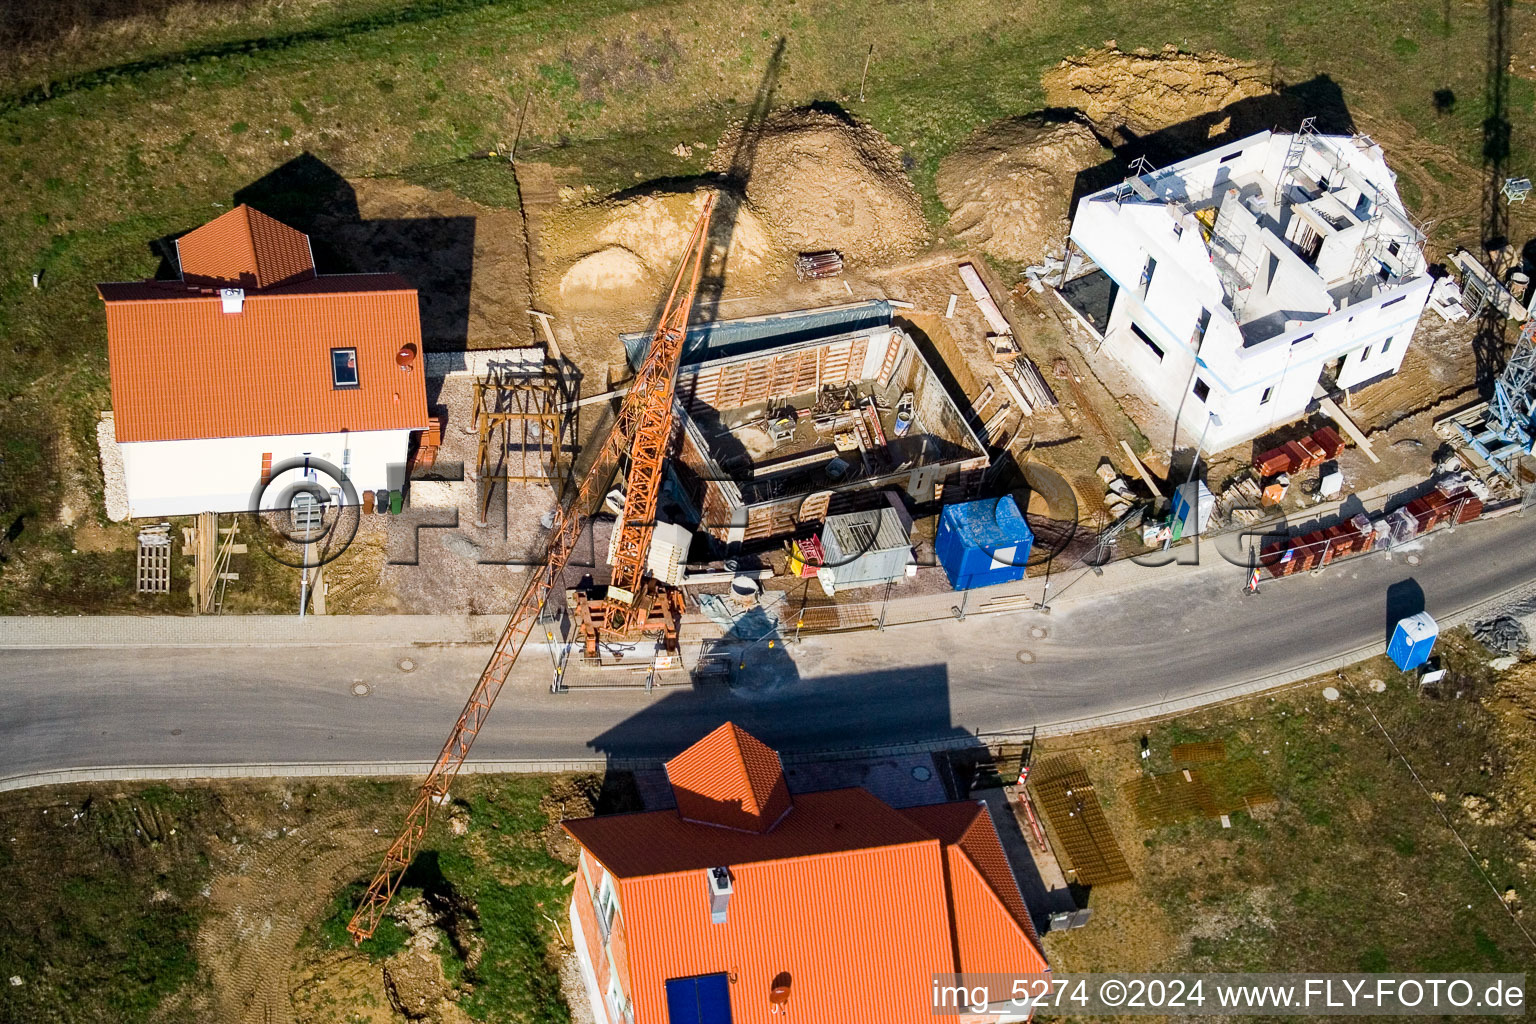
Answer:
[(747, 903), (251, 359)]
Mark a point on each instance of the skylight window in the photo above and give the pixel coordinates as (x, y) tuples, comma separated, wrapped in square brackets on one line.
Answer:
[(344, 367)]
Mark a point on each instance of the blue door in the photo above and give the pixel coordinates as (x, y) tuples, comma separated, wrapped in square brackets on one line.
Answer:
[(705, 999)]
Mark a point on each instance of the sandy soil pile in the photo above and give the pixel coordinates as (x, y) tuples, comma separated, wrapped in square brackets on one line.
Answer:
[(625, 250), (1009, 188), (1147, 92), (817, 181), (821, 181)]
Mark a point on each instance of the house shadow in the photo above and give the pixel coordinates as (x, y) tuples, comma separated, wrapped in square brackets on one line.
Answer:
[(872, 729), (435, 255), (1281, 110)]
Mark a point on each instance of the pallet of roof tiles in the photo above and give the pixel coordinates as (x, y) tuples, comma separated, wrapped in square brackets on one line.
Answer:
[(1401, 526), (1329, 440), (1365, 528)]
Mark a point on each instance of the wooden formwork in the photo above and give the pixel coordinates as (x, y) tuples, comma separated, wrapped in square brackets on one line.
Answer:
[(518, 415), (731, 384)]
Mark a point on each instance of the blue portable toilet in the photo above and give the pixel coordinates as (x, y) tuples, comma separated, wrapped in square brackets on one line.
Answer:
[(983, 543), (1412, 641)]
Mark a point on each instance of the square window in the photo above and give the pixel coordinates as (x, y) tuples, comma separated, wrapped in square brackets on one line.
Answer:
[(1202, 389), (344, 367), (1265, 397)]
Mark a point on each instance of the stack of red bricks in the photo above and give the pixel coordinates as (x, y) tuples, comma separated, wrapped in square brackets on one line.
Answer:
[(1316, 549), (1295, 456), (1444, 504), (1449, 502)]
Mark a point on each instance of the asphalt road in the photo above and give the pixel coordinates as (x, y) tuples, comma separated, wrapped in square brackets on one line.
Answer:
[(1157, 642)]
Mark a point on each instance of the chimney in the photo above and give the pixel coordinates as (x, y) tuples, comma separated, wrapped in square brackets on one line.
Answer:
[(234, 299), (720, 890)]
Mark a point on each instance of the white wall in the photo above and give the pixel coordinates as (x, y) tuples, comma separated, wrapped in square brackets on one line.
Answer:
[(1121, 237), (168, 478)]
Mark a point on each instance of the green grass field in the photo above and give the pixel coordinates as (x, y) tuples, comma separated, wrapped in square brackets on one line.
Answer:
[(1352, 868), (118, 138)]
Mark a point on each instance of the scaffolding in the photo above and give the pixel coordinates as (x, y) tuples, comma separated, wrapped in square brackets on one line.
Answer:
[(1233, 265), (1502, 431), (521, 425), (1303, 137), (1136, 181)]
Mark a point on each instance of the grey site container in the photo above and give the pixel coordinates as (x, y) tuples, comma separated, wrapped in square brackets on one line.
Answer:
[(865, 549)]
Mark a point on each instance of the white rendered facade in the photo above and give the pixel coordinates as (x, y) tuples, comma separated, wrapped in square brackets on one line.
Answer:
[(221, 474), (1243, 274)]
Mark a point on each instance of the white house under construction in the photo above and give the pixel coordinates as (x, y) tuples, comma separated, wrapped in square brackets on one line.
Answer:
[(1236, 284)]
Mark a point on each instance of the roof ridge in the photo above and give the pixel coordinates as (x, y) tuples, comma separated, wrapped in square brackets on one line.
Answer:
[(250, 297), (739, 736), (1025, 927), (823, 855)]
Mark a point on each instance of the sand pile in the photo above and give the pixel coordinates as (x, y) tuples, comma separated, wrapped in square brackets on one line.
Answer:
[(626, 249), (1146, 92), (820, 181), (1009, 188)]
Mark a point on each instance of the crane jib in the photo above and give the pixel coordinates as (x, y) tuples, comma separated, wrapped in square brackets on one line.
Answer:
[(641, 431)]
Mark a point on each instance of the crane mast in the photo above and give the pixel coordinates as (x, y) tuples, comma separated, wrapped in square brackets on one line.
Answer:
[(641, 431)]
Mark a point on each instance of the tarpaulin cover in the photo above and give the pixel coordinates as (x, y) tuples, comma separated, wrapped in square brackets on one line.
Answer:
[(719, 338)]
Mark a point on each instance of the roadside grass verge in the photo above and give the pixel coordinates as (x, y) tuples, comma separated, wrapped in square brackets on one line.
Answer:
[(1352, 868)]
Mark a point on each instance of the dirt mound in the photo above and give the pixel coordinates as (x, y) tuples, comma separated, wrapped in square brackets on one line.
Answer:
[(821, 181), (1009, 188), (619, 245), (1146, 92), (601, 274)]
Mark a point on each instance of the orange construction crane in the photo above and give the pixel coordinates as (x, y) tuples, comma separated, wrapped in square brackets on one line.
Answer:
[(641, 431)]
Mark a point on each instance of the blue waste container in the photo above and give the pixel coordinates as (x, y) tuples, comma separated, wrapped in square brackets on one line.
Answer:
[(1412, 641), (983, 543)]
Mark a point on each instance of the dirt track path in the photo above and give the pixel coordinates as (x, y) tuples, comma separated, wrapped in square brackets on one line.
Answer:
[(260, 910)]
